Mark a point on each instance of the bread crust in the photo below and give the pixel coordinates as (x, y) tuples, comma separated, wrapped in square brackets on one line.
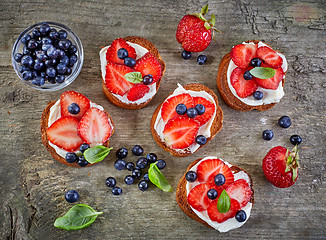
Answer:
[(45, 141), (181, 193), (215, 128), (227, 95), (152, 49)]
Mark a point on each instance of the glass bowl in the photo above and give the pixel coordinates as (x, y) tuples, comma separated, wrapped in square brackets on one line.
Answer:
[(18, 48)]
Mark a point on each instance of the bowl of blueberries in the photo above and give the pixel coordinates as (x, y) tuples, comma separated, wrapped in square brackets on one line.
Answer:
[(47, 56)]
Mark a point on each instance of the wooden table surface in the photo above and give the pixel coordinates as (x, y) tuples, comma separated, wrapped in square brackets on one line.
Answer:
[(33, 183)]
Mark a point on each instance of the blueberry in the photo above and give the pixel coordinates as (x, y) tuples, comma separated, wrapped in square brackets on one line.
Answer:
[(141, 163), (181, 109), (130, 62), (200, 109), (60, 54), (191, 176), (68, 71), (59, 78), (27, 61), (201, 140), (50, 62), (45, 29), (46, 40), (65, 60), (36, 33), (84, 146), (71, 157), (137, 150), (284, 122), (18, 57), (129, 180), (268, 135), (148, 79), (72, 49), (38, 65), (160, 164), (241, 216), (122, 153), (219, 179), (122, 53), (23, 69), (27, 75), (63, 44), (212, 194), (185, 55), (247, 75), (50, 79), (32, 44), (82, 161), (72, 196), (120, 164), (26, 39), (61, 68), (62, 34), (53, 34), (136, 173), (72, 60), (41, 55), (192, 112), (151, 157), (116, 191), (52, 52), (34, 74), (258, 95), (201, 59), (51, 72), (26, 51), (145, 177), (255, 62), (143, 185), (39, 81), (45, 47), (295, 139), (110, 182), (74, 109), (130, 166)]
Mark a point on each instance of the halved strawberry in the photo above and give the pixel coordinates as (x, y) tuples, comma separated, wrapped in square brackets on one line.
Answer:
[(243, 88), (242, 54), (63, 133), (137, 91), (269, 56), (197, 197), (180, 132), (148, 64), (215, 215), (208, 169), (70, 97), (209, 109), (273, 82), (168, 107), (111, 53), (240, 191), (94, 127), (115, 80)]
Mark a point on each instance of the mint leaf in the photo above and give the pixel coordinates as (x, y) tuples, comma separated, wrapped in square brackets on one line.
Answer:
[(96, 154), (224, 202), (262, 72), (158, 179), (134, 77), (78, 217)]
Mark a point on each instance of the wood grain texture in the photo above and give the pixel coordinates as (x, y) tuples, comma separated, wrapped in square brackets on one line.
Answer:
[(33, 183)]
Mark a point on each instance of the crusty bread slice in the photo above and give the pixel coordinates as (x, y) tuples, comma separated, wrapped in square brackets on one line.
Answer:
[(215, 128), (45, 141), (227, 95), (181, 193), (151, 48)]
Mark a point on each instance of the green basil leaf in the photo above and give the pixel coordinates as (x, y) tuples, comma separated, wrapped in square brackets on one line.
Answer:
[(158, 179), (134, 77), (224, 202), (96, 154), (263, 72), (78, 217)]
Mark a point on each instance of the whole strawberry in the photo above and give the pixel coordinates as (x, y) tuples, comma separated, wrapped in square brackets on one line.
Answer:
[(194, 32), (280, 166)]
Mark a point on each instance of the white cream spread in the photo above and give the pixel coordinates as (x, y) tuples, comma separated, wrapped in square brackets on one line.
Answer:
[(231, 223), (270, 96), (203, 130), (140, 51), (55, 114)]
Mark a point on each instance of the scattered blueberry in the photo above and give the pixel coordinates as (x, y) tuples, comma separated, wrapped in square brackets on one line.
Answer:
[(116, 191), (151, 157), (137, 150), (201, 59), (268, 134), (181, 109), (247, 75), (62, 34), (122, 53), (129, 180), (201, 140), (148, 79), (18, 57), (72, 196), (51, 72), (119, 164), (284, 122), (191, 176), (59, 78), (130, 62), (258, 95), (192, 112), (82, 161), (130, 166), (110, 182), (212, 194), (145, 177), (71, 157), (241, 216), (26, 39), (219, 179), (136, 173), (143, 185), (255, 62), (141, 163), (295, 139), (39, 81), (186, 55), (27, 61), (83, 147), (122, 153), (200, 109), (160, 164)]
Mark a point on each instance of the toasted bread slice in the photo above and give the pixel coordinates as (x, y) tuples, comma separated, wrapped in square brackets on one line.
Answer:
[(45, 141), (151, 48), (182, 198), (215, 128), (227, 95)]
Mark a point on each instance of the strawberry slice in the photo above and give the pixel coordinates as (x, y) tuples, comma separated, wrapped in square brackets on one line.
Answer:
[(94, 127), (63, 133), (242, 54), (269, 56), (148, 64), (114, 78), (180, 132), (111, 53), (137, 92), (240, 191), (70, 97), (209, 109), (273, 82), (208, 169), (215, 215), (197, 197), (168, 107), (243, 88)]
